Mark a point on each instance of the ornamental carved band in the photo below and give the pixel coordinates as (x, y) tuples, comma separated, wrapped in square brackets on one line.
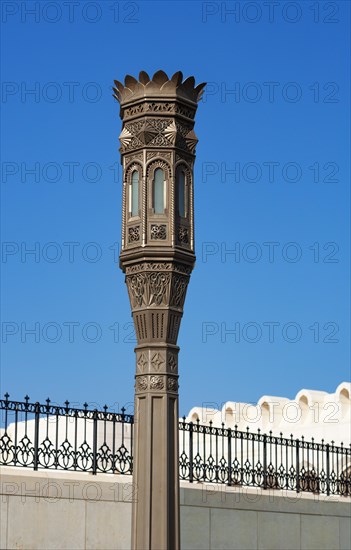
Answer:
[(155, 382)]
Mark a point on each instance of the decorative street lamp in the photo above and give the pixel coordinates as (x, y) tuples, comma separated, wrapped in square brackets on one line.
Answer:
[(157, 255)]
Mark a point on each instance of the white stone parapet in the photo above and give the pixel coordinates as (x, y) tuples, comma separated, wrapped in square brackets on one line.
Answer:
[(312, 414)]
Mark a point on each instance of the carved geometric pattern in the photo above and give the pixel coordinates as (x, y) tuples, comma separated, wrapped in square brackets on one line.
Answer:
[(157, 361), (183, 129), (135, 110), (158, 107), (159, 124), (159, 266), (185, 157), (135, 127), (134, 234), (183, 235), (172, 363), (142, 361), (158, 132), (161, 141), (147, 133), (191, 141), (125, 137), (152, 154), (141, 133), (158, 232), (132, 158), (171, 132)]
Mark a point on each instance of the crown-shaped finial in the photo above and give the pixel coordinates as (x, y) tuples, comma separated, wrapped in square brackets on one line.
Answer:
[(158, 85)]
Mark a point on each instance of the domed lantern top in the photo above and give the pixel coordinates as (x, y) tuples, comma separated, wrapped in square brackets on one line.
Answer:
[(157, 146)]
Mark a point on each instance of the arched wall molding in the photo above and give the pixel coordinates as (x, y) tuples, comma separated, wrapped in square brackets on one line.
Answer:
[(131, 166), (343, 393), (157, 162), (151, 168), (318, 414)]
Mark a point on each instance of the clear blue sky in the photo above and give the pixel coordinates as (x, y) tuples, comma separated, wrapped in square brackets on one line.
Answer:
[(271, 183)]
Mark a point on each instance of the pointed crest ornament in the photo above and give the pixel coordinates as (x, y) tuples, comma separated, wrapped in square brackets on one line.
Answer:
[(160, 85)]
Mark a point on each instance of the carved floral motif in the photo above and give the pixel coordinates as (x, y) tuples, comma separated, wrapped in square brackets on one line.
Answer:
[(158, 283), (172, 383), (156, 383), (136, 286), (183, 235), (141, 383), (157, 288), (131, 158), (152, 154), (148, 288), (158, 232), (178, 291), (134, 234)]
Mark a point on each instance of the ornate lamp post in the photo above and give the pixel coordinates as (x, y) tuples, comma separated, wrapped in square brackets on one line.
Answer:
[(157, 255)]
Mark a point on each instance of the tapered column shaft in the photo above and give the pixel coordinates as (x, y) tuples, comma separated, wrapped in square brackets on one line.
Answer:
[(156, 510)]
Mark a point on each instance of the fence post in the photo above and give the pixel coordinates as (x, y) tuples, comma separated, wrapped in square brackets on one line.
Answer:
[(191, 454), (131, 444), (297, 466), (229, 456), (36, 436), (264, 461), (328, 468), (95, 442)]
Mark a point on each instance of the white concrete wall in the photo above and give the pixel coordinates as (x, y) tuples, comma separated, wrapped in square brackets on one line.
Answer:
[(68, 510)]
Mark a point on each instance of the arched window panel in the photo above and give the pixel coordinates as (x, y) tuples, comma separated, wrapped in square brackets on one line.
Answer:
[(181, 193), (159, 191), (134, 194)]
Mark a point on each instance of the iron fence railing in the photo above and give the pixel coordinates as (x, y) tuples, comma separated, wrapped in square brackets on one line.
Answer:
[(233, 457), (48, 436), (64, 438)]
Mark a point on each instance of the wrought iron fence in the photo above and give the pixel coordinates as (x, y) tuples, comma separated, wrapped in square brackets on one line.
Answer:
[(65, 438), (48, 436), (233, 457)]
